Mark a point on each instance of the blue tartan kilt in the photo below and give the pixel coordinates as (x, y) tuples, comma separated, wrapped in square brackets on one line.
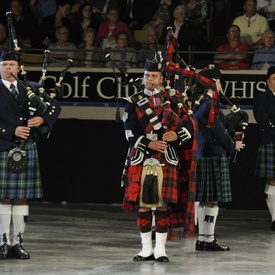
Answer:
[(25, 184), (265, 161), (213, 179)]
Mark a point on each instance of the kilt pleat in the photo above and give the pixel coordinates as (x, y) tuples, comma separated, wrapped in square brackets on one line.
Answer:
[(265, 161), (213, 180), (25, 184), (170, 187)]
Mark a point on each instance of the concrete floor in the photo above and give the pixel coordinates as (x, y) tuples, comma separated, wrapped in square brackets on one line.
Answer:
[(83, 239)]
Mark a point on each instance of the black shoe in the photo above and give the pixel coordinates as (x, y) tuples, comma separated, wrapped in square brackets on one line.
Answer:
[(139, 258), (162, 259), (273, 226), (199, 245), (18, 251), (5, 251), (215, 246)]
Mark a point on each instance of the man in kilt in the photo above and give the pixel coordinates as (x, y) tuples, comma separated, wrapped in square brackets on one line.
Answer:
[(264, 113), (18, 130), (215, 145), (157, 127)]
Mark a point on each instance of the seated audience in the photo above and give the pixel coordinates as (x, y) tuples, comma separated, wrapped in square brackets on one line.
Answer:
[(105, 38), (264, 57), (62, 49), (184, 31), (148, 52), (25, 25), (160, 18), (51, 22), (88, 55), (251, 23), (232, 59), (85, 18), (122, 55)]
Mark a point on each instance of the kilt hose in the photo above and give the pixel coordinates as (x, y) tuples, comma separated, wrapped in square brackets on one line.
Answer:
[(25, 184), (213, 179), (265, 161)]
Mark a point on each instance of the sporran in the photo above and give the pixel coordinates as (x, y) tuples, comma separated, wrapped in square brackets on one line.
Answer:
[(151, 184), (17, 160)]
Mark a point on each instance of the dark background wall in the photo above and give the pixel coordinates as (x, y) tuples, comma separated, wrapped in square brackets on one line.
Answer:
[(82, 162)]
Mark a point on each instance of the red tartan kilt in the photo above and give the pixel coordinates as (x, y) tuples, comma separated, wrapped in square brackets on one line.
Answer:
[(170, 185)]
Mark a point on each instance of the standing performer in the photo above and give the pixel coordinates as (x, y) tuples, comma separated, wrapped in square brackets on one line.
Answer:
[(215, 144), (157, 130), (264, 114), (20, 179)]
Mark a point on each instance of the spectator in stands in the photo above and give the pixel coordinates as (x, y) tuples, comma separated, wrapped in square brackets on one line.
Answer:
[(85, 18), (51, 22), (264, 57), (62, 49), (266, 8), (252, 24), (148, 52), (42, 8), (232, 59), (4, 41), (88, 55), (196, 11), (184, 31), (160, 18), (105, 38), (25, 25), (124, 56)]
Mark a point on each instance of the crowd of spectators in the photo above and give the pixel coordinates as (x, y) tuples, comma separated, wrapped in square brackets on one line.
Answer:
[(86, 30)]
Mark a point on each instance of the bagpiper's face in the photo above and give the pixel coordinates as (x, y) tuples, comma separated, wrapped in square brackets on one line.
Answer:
[(152, 80), (7, 68)]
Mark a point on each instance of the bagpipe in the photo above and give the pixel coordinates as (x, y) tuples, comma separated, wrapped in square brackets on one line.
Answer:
[(236, 120), (37, 104)]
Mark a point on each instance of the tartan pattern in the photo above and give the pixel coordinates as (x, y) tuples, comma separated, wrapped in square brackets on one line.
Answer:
[(265, 161), (144, 221), (170, 190), (162, 221), (213, 180), (23, 185)]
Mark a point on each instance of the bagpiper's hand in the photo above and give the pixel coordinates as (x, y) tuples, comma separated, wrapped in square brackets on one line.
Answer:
[(158, 145), (239, 145), (22, 132), (170, 136), (35, 121)]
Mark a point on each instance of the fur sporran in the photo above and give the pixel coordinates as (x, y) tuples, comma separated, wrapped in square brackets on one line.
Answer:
[(151, 184), (17, 160)]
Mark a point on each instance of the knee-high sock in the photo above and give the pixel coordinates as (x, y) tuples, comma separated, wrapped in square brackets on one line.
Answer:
[(211, 214), (5, 220), (201, 216), (270, 201), (144, 221), (19, 219)]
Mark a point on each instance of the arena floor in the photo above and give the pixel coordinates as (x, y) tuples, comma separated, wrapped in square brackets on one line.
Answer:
[(83, 239)]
